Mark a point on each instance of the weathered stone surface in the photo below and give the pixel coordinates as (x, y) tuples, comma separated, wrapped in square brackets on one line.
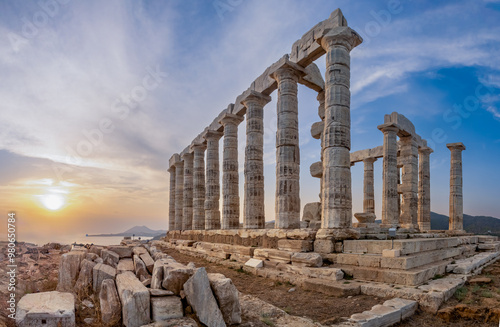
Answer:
[(171, 201), (200, 298), (122, 251), (85, 277), (390, 196), (159, 292), (46, 309), (324, 246), (91, 256), (179, 193), (212, 191), (157, 276), (110, 258), (135, 300), (199, 185), (180, 322), (101, 272), (68, 270), (255, 263), (271, 254), (312, 212), (125, 265), (167, 307), (406, 307), (295, 245), (424, 189), (174, 276), (187, 215), (227, 297), (148, 261), (111, 308), (334, 288), (96, 249), (456, 199), (138, 250), (307, 260)]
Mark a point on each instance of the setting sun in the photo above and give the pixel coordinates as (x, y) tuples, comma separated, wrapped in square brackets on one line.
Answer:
[(52, 201)]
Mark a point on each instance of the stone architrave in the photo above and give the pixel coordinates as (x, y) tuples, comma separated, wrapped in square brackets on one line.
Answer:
[(179, 194), (337, 193), (199, 186), (171, 202), (424, 189), (390, 212), (254, 217), (212, 191), (409, 176), (456, 199), (187, 214), (287, 203), (230, 175)]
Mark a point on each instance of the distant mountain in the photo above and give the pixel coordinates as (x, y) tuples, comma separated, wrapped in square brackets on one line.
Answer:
[(472, 224), (137, 231)]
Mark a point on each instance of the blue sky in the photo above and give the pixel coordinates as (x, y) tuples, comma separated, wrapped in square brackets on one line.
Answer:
[(69, 69)]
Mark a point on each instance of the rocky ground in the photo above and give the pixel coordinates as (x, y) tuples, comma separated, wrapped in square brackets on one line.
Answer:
[(265, 302)]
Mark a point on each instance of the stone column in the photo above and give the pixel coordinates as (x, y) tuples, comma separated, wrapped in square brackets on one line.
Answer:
[(456, 200), (409, 203), (179, 194), (368, 186), (199, 186), (390, 212), (254, 216), (230, 175), (287, 203), (424, 189), (212, 192), (187, 215), (171, 202), (337, 194)]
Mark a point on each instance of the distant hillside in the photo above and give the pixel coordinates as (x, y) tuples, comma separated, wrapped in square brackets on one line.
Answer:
[(137, 231), (472, 224)]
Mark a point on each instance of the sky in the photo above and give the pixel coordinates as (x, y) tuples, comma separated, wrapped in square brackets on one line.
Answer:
[(96, 96)]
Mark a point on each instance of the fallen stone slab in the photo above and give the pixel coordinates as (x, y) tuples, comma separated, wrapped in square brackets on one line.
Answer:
[(135, 300), (167, 307), (85, 277), (255, 263), (174, 276), (156, 292), (46, 309), (148, 261), (307, 259), (480, 280), (101, 272), (407, 308), (123, 251), (138, 250), (468, 265), (69, 268), (180, 322), (111, 308), (200, 297), (227, 297), (110, 258), (125, 265)]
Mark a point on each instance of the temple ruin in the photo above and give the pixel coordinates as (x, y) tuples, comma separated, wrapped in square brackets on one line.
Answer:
[(326, 234)]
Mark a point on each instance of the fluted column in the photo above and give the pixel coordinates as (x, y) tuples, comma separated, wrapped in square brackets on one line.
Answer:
[(337, 194), (368, 186), (254, 216), (171, 202), (287, 200), (212, 192), (390, 212), (199, 186), (409, 203), (230, 175), (179, 194), (424, 189), (187, 216), (456, 199)]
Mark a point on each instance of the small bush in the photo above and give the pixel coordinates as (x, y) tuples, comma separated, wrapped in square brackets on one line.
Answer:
[(460, 293), (487, 294), (347, 276)]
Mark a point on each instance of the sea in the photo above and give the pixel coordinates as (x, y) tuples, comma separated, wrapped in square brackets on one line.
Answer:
[(79, 239)]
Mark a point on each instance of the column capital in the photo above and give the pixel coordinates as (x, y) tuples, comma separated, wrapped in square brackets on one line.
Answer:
[(198, 146), (179, 164), (171, 169), (425, 150), (342, 35), (389, 127), (212, 135), (173, 159), (231, 119), (456, 146), (369, 160), (256, 97), (288, 69), (187, 155)]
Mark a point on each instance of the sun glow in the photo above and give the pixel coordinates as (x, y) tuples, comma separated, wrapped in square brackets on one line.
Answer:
[(52, 201)]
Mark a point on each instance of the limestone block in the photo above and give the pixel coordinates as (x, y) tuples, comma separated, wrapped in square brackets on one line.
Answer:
[(96, 249), (295, 245), (123, 251), (307, 260), (199, 296), (324, 246), (227, 297), (388, 253), (68, 271), (334, 288), (110, 258), (148, 261), (271, 254), (387, 316), (255, 263), (348, 259), (46, 309), (240, 258), (135, 300), (111, 308), (364, 319), (316, 170), (174, 276), (406, 307), (317, 129), (167, 307), (157, 276), (125, 265), (138, 250), (159, 293), (101, 272), (180, 322), (85, 277), (91, 256)]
